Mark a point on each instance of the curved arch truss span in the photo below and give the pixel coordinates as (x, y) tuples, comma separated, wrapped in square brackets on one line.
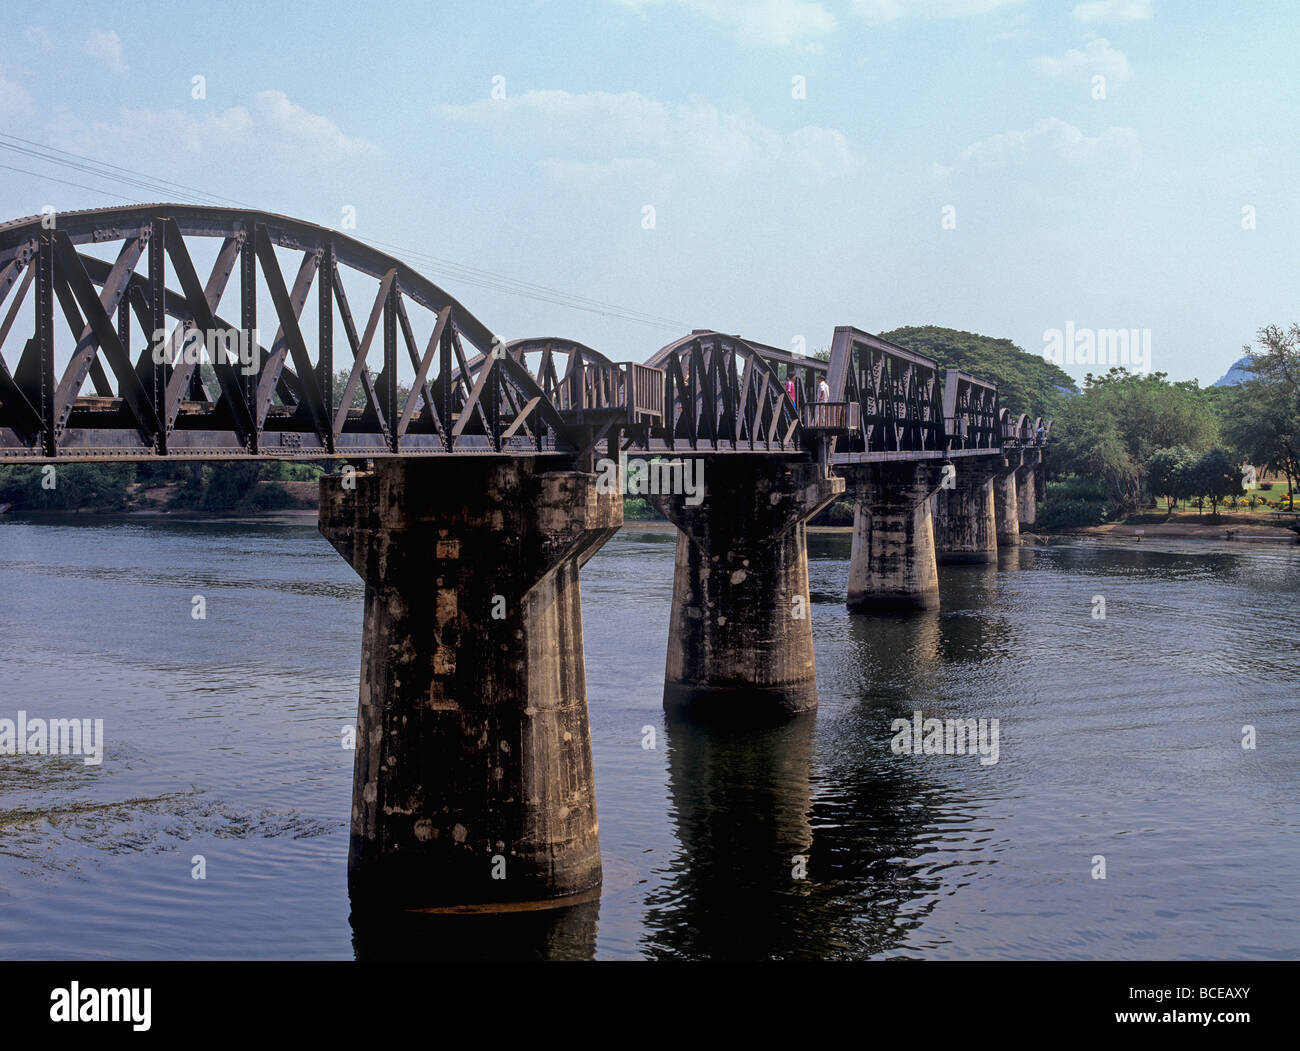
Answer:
[(170, 330)]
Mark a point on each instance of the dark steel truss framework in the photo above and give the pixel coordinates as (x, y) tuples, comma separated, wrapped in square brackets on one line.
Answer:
[(970, 412), (898, 394), (283, 402), (722, 392), (471, 393)]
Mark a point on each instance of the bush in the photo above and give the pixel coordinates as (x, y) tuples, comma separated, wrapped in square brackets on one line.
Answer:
[(227, 485), (271, 496), (1072, 503), (1071, 514), (837, 513), (77, 486), (638, 509), (284, 471), (1074, 487)]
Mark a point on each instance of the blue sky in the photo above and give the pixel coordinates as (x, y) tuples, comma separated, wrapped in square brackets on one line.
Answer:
[(775, 216)]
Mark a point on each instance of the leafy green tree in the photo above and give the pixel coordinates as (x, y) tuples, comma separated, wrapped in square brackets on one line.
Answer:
[(1166, 470), (76, 486), (1261, 417), (230, 484), (1026, 382), (1112, 429), (1215, 475)]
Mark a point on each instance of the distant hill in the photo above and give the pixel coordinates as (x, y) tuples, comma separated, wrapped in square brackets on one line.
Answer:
[(1026, 382), (1237, 374)]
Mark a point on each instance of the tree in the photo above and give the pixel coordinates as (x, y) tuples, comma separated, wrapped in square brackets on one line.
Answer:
[(71, 486), (1261, 417), (358, 399), (1026, 382), (1215, 475), (1166, 470), (1112, 429)]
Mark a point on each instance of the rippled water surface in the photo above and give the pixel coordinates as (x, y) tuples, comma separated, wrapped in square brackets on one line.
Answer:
[(1119, 737)]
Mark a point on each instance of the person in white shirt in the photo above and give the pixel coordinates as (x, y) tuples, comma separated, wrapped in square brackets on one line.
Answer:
[(823, 390)]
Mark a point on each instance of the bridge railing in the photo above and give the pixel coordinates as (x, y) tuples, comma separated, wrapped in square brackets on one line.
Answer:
[(589, 386), (644, 391), (842, 417), (593, 389)]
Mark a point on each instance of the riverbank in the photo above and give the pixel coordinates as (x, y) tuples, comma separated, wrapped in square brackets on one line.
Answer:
[(1224, 529), (1190, 525), (1217, 531)]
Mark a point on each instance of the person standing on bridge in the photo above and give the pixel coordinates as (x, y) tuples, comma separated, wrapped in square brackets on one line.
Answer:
[(823, 390), (791, 392), (1039, 435)]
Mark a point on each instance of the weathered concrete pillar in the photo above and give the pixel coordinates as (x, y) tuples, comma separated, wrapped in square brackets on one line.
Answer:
[(1006, 505), (473, 755), (892, 564), (1027, 493), (965, 523), (740, 636)]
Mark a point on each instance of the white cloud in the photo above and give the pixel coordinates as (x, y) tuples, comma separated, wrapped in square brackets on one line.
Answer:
[(1096, 57), (272, 128), (105, 46), (14, 100), (892, 10), (640, 130), (770, 22), (274, 111), (1052, 139), (1113, 11)]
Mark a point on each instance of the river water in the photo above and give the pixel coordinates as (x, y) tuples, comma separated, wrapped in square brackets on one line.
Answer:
[(1119, 739)]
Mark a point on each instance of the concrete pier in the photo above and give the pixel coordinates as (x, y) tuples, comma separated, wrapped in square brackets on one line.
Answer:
[(1006, 504), (965, 522), (892, 565), (1027, 484), (740, 643), (473, 777)]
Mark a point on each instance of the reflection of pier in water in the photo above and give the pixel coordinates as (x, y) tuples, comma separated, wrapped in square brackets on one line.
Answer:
[(744, 805), (522, 934)]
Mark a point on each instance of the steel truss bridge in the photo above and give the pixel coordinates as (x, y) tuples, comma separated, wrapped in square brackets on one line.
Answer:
[(127, 319)]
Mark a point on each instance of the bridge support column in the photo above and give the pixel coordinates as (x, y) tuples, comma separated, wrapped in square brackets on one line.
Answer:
[(1027, 492), (965, 523), (892, 564), (1006, 505), (472, 780), (740, 645)]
